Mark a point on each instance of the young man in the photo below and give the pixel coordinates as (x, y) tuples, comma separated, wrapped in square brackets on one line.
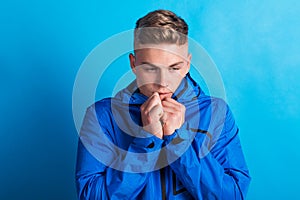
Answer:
[(161, 137)]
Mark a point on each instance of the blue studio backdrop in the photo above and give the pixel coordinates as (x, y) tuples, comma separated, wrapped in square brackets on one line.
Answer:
[(255, 45)]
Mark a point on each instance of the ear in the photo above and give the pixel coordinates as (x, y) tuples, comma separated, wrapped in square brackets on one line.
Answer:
[(132, 62)]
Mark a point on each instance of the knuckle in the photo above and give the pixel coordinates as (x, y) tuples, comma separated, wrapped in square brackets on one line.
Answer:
[(182, 108), (149, 119)]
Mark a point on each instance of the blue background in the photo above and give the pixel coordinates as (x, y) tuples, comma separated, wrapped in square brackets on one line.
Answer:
[(255, 45)]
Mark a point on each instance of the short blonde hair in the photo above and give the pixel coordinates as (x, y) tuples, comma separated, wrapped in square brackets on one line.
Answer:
[(161, 26)]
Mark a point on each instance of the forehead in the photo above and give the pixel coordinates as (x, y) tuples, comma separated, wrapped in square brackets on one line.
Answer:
[(162, 52)]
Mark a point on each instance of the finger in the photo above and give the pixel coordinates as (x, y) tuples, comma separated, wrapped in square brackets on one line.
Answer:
[(151, 102), (172, 101), (170, 109), (164, 118), (148, 100), (164, 96), (156, 112), (176, 105), (154, 101), (171, 105)]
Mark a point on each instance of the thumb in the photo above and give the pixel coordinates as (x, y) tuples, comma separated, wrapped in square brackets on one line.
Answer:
[(156, 112)]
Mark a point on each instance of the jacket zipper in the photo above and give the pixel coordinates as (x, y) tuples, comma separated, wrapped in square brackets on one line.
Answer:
[(163, 183)]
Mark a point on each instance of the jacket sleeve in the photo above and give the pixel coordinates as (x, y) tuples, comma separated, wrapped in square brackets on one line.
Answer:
[(104, 171), (219, 172)]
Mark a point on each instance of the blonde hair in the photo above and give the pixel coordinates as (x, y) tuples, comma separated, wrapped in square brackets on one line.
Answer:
[(161, 26)]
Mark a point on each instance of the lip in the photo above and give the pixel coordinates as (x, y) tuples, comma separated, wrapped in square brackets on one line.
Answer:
[(164, 93)]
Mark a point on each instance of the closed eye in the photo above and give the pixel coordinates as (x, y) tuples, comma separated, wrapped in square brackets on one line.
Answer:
[(174, 68), (149, 68), (152, 69)]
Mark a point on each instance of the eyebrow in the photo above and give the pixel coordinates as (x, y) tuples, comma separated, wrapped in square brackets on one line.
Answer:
[(152, 65)]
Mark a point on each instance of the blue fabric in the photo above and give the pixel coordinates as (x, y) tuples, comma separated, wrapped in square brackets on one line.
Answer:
[(203, 159)]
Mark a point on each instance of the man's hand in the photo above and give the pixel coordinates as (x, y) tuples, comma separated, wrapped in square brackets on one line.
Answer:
[(173, 116), (151, 113)]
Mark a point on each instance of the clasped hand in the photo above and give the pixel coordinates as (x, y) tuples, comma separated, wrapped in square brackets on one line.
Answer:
[(162, 116)]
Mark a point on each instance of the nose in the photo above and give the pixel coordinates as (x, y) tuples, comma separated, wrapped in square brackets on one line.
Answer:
[(162, 78)]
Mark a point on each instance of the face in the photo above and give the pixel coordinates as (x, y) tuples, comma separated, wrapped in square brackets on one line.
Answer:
[(160, 68)]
